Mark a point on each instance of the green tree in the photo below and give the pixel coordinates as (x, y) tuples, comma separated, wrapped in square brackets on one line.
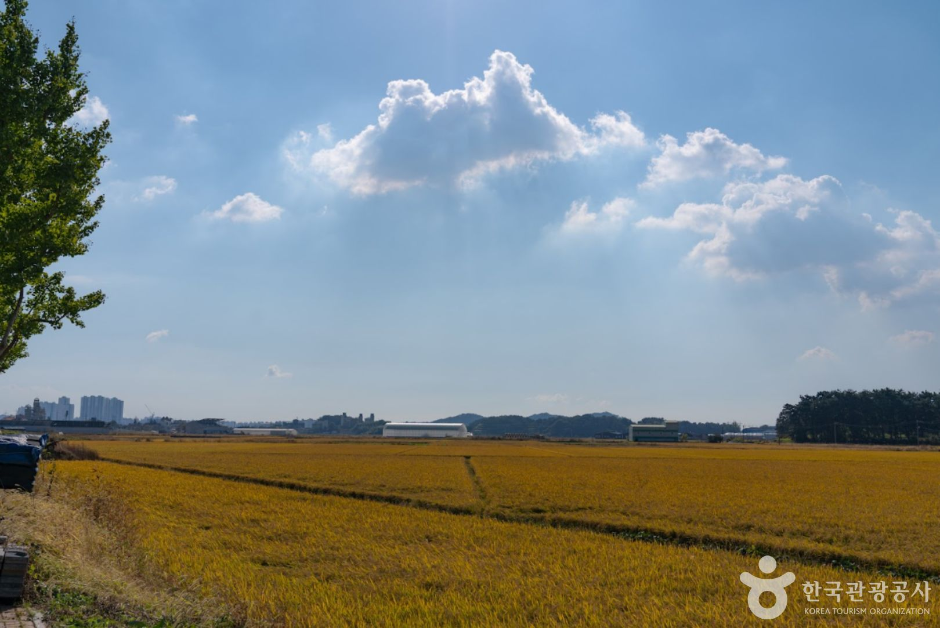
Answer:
[(884, 416), (48, 174)]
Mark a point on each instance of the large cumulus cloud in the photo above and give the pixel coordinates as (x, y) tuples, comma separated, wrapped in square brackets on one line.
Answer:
[(787, 223), (762, 225), (905, 268), (453, 138)]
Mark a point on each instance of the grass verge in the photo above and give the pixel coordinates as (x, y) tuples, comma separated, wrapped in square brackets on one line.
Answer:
[(85, 570)]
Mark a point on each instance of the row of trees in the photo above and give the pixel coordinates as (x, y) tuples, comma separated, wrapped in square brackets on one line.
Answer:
[(885, 416)]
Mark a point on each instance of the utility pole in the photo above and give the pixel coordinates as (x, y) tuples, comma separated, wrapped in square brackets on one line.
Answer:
[(835, 433)]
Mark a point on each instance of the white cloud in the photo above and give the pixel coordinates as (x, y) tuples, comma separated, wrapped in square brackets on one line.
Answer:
[(905, 267), (926, 281), (820, 354), (615, 130), (708, 153), (296, 150), (275, 371), (92, 113), (456, 137), (610, 218), (157, 186), (187, 119), (867, 302), (913, 338), (325, 132), (697, 217), (247, 207), (786, 224), (154, 336), (778, 225), (120, 192)]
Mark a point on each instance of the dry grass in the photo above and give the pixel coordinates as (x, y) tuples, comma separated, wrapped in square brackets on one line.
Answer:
[(71, 450), (86, 564), (283, 558)]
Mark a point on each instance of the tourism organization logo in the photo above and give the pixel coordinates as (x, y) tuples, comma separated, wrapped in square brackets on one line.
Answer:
[(882, 599), (777, 586)]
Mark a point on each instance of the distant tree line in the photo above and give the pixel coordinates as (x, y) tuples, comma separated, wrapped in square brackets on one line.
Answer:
[(884, 416), (583, 426)]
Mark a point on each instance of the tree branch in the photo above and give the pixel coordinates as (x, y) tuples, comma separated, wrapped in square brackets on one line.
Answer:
[(52, 322), (9, 330), (5, 350)]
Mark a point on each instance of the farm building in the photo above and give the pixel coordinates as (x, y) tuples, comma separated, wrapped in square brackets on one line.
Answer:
[(425, 430), (262, 431), (750, 435), (205, 426), (667, 432)]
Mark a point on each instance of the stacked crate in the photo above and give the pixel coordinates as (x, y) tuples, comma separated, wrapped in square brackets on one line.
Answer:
[(14, 561)]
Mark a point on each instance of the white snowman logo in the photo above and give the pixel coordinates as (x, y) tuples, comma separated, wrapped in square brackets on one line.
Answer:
[(777, 586)]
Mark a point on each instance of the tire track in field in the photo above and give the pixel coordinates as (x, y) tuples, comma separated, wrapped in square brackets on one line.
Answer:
[(841, 560)]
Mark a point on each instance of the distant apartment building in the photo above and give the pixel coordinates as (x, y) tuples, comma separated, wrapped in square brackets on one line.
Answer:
[(61, 410), (102, 408), (48, 409), (33, 411), (65, 410)]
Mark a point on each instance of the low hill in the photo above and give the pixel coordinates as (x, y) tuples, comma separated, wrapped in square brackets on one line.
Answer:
[(541, 416), (579, 426), (466, 418), (507, 424)]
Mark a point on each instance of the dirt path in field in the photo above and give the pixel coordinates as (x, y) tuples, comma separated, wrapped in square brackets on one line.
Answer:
[(477, 484), (18, 617), (845, 561)]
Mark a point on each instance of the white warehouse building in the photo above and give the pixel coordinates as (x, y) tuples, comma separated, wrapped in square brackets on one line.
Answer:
[(425, 430)]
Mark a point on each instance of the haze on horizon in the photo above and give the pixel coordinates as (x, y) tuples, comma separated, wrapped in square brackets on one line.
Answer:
[(458, 207)]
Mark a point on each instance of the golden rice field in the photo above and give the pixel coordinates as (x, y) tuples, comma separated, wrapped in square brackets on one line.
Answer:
[(854, 504), (279, 557), (352, 467), (884, 511)]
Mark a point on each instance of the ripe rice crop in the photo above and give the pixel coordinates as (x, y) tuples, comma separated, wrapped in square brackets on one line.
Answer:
[(278, 557), (341, 466), (855, 504), (886, 511)]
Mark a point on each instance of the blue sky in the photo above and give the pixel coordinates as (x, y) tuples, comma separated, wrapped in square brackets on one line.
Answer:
[(424, 208)]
